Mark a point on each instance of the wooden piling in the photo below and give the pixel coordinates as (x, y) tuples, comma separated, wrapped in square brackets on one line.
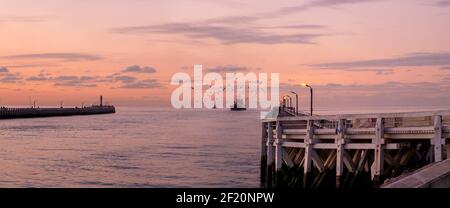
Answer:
[(263, 164), (340, 142), (437, 141), (377, 166), (270, 156), (308, 150), (278, 154)]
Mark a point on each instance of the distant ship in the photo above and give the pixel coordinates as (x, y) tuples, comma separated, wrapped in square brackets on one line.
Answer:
[(235, 107)]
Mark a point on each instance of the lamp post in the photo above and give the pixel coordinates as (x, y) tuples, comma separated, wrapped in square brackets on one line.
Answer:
[(311, 90), (289, 101), (296, 102)]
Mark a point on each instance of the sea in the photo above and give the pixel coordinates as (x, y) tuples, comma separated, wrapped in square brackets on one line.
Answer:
[(141, 147)]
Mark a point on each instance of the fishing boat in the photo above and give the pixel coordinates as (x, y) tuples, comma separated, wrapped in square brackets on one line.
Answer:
[(237, 107)]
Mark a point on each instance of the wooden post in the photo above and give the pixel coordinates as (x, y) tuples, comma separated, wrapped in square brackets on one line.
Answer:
[(340, 142), (263, 165), (377, 166), (278, 155), (436, 141), (308, 150), (270, 159)]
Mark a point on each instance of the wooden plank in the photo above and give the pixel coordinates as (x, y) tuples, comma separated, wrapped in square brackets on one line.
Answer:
[(294, 144), (349, 146)]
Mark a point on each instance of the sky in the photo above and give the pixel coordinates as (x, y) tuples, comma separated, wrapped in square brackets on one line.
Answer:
[(352, 52)]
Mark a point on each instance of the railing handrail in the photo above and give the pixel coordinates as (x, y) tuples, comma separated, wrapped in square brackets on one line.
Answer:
[(361, 116)]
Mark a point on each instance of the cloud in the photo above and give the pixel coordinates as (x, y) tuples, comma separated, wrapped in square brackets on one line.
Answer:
[(139, 69), (227, 68), (305, 26), (225, 34), (3, 69), (75, 81), (383, 94), (315, 4), (143, 84), (447, 78), (27, 65), (57, 56), (445, 67), (10, 77), (23, 19), (125, 79), (413, 59), (443, 3), (38, 78)]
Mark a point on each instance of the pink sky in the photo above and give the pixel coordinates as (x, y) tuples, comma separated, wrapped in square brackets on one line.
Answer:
[(354, 52)]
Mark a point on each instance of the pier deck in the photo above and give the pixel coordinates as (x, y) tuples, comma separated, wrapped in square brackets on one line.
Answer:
[(356, 150)]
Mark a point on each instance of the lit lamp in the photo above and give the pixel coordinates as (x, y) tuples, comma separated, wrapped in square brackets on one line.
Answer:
[(311, 90)]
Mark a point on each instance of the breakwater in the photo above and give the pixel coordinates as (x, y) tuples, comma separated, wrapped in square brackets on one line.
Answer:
[(11, 113)]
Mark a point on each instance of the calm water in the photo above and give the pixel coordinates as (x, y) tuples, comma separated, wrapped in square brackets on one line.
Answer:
[(136, 147)]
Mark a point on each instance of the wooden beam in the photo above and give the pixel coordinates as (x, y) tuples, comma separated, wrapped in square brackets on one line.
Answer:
[(308, 146), (318, 163), (377, 166), (437, 138), (270, 156), (287, 159), (340, 142), (348, 161), (263, 165), (278, 154)]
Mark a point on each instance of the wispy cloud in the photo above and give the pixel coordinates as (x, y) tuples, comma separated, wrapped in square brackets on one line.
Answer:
[(304, 26), (394, 93), (75, 81), (225, 34), (27, 65), (315, 4), (227, 68), (3, 69), (56, 56), (244, 28), (114, 80), (147, 84), (139, 69), (414, 59), (442, 3), (10, 77), (445, 67), (125, 79), (23, 19)]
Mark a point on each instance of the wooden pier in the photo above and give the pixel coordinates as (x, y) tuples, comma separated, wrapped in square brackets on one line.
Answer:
[(358, 150)]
